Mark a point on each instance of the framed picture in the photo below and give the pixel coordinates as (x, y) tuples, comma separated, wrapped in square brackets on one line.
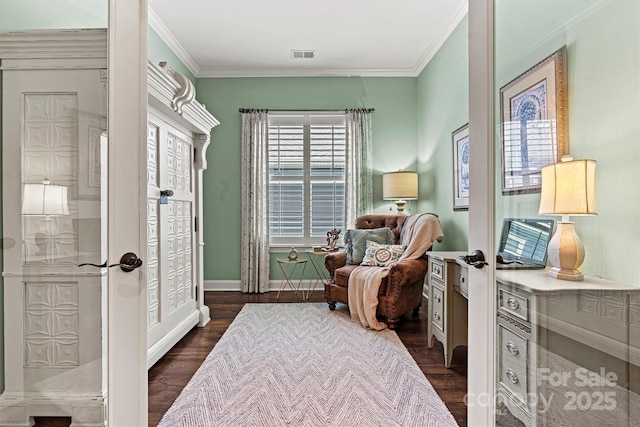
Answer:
[(460, 138), (533, 111)]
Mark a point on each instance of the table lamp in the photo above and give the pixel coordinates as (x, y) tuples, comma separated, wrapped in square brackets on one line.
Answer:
[(45, 199), (400, 186), (568, 188)]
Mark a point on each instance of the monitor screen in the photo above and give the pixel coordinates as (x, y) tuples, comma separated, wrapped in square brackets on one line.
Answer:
[(525, 239)]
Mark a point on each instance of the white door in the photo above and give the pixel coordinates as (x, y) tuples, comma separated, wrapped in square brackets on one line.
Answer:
[(127, 367), (544, 350), (170, 234), (77, 342), (54, 122)]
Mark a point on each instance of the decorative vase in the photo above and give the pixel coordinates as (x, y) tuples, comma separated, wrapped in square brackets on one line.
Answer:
[(293, 254)]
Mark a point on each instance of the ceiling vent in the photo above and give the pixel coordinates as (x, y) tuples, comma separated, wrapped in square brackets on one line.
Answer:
[(303, 54)]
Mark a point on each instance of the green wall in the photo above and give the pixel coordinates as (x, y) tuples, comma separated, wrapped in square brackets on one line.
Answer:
[(158, 51), (603, 69), (49, 14), (442, 107), (603, 56), (394, 147)]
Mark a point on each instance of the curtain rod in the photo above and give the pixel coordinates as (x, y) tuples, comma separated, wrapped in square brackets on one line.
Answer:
[(266, 110)]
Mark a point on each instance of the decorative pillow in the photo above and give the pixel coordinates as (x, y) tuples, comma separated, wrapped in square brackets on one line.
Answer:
[(355, 241), (378, 255)]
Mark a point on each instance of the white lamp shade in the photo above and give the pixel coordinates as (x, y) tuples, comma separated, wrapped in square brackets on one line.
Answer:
[(44, 199), (400, 185), (568, 188)]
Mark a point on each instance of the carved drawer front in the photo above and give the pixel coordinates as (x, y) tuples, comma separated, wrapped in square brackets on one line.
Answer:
[(437, 316), (437, 269), (514, 304), (460, 280), (512, 363)]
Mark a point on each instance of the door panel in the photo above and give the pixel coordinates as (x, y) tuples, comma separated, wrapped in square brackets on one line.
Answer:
[(172, 306), (54, 201), (561, 352)]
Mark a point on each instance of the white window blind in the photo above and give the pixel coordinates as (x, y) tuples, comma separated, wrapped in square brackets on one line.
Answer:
[(306, 177)]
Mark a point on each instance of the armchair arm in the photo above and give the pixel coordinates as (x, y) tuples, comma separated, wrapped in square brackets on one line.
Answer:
[(334, 260), (406, 272)]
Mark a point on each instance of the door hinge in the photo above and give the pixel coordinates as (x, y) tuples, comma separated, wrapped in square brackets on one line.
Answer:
[(195, 155), (196, 292), (195, 224)]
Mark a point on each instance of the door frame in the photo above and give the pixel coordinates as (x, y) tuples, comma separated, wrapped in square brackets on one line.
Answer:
[(127, 298), (482, 302)]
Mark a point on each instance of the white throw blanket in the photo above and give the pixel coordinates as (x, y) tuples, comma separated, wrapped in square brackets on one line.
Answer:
[(418, 234)]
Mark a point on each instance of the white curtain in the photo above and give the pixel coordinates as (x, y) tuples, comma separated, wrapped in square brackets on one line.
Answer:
[(254, 274), (358, 170)]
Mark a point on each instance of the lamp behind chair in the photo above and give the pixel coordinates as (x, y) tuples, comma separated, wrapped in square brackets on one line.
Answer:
[(568, 188), (400, 186)]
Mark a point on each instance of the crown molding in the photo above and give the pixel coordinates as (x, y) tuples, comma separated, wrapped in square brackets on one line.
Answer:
[(158, 26), (329, 72), (437, 43)]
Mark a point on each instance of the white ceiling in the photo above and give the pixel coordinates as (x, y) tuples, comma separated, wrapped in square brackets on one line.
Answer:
[(231, 38)]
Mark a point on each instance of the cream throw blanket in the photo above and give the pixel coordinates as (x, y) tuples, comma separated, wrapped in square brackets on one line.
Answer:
[(418, 234)]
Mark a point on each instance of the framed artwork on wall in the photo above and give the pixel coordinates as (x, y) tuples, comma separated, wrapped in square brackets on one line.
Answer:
[(460, 139), (533, 128)]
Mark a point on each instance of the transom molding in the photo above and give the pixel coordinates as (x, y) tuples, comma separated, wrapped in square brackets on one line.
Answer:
[(54, 49), (170, 90)]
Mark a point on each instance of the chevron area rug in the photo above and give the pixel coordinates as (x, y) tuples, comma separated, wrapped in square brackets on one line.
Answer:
[(304, 365)]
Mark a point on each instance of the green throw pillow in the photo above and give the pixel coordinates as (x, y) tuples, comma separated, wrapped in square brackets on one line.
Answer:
[(355, 241)]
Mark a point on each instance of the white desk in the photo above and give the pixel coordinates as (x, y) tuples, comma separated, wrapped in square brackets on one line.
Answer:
[(546, 325), (447, 307)]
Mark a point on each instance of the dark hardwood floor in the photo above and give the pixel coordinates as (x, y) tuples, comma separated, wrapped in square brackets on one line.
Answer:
[(168, 377)]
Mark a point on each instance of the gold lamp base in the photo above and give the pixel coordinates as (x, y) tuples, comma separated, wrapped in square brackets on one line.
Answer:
[(565, 253), (400, 205)]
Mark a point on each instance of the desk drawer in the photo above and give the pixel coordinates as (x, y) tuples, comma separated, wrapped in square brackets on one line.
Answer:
[(514, 304), (512, 363), (460, 280), (437, 315), (436, 268)]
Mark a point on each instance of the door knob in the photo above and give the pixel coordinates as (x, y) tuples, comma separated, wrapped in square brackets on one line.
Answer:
[(164, 196), (475, 258), (128, 262)]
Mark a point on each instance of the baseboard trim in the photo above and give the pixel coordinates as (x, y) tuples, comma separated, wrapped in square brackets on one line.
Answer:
[(274, 285)]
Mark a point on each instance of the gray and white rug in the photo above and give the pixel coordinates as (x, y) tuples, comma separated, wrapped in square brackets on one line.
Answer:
[(303, 365)]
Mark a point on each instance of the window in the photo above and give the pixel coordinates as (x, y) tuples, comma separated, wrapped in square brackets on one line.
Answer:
[(306, 177)]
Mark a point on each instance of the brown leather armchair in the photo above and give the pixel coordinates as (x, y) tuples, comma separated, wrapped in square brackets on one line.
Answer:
[(400, 291)]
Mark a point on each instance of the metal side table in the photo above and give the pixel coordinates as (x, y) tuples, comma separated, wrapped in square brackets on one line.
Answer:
[(288, 268), (322, 276)]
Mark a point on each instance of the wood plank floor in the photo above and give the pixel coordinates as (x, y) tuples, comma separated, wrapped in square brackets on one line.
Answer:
[(168, 377)]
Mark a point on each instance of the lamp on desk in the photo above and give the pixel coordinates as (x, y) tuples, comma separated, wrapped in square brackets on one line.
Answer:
[(400, 186), (568, 188)]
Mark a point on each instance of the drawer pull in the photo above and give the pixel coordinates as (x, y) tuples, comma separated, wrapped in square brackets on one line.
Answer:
[(512, 348), (436, 316), (436, 270), (461, 278), (437, 298), (513, 303), (512, 376)]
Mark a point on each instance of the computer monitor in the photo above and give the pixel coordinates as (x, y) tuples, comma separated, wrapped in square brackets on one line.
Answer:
[(524, 241)]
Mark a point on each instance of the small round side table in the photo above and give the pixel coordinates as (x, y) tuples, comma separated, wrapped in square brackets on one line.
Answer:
[(288, 268)]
